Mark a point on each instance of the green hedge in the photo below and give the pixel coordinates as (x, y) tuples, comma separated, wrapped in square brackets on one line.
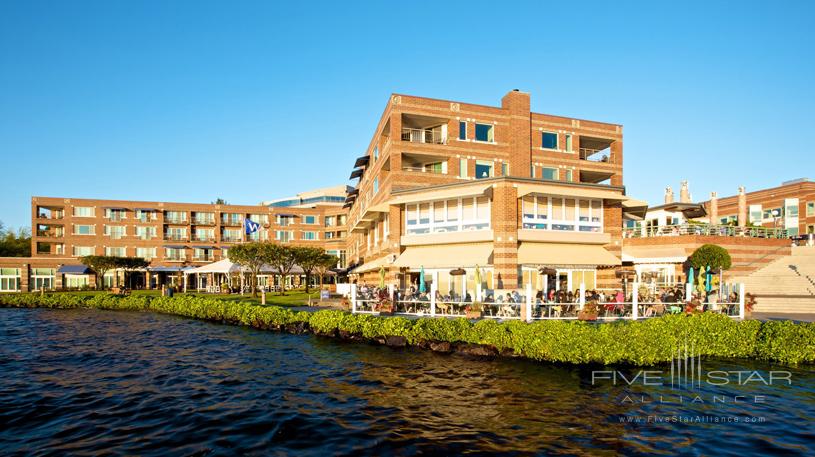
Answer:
[(643, 342)]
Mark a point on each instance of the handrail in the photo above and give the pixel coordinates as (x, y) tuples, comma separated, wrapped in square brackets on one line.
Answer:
[(704, 230)]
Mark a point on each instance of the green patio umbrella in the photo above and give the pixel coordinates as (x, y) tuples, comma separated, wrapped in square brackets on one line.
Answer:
[(690, 277), (422, 285), (708, 280), (381, 277)]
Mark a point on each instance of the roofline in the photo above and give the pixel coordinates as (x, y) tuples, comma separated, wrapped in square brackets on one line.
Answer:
[(498, 107)]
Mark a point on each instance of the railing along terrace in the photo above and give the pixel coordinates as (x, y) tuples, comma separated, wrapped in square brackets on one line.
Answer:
[(525, 307), (595, 155), (422, 136), (704, 229)]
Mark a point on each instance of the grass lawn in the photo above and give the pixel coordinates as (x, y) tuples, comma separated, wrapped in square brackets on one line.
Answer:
[(292, 297)]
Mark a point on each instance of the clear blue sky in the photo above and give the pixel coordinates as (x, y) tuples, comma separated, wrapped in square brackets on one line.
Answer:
[(189, 101)]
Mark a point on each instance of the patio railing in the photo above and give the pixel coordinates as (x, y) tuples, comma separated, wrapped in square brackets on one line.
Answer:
[(704, 229), (530, 309)]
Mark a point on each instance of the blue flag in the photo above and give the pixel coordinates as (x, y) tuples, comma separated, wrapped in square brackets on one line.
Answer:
[(251, 227)]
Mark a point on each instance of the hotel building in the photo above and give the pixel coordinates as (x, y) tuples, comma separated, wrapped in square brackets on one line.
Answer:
[(525, 197), (171, 236)]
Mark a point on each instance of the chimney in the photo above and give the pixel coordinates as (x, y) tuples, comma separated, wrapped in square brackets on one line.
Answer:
[(742, 207), (684, 193), (669, 195), (713, 211)]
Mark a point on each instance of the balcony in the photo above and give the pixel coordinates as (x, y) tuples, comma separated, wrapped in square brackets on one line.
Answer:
[(203, 258), (424, 129), (204, 238), (595, 149), (46, 213), (423, 136), (175, 237), (175, 258), (231, 239), (198, 220), (231, 222), (704, 230), (175, 219)]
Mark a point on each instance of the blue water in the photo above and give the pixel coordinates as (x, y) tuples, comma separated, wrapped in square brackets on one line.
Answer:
[(95, 382)]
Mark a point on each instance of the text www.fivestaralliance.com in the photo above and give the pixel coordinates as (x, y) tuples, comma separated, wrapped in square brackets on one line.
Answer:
[(701, 419)]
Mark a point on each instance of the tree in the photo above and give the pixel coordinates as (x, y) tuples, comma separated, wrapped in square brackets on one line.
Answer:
[(100, 264), (309, 259), (327, 262), (14, 244), (283, 258), (710, 255), (220, 201), (252, 256), (130, 264)]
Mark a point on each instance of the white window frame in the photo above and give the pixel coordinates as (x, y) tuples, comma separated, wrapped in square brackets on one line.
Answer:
[(557, 173), (5, 281), (92, 232), (557, 140), (77, 250), (92, 210), (491, 133), (479, 222), (546, 223)]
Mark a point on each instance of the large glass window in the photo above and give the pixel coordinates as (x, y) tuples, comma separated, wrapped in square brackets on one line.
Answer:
[(145, 233), (453, 215), (146, 253), (116, 251), (175, 217), (568, 175), (283, 235), (485, 132), (791, 206), (549, 140), (755, 214), (810, 209), (43, 278), (550, 173), (82, 251), (483, 169), (115, 232), (568, 143), (542, 212), (462, 130), (204, 234), (83, 211), (309, 219), (310, 235), (84, 229), (9, 279), (462, 168), (175, 254)]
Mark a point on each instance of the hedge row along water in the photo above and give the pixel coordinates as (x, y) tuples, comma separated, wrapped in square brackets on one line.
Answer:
[(645, 342)]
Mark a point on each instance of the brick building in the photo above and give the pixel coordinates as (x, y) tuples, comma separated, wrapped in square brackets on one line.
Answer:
[(523, 196), (171, 236)]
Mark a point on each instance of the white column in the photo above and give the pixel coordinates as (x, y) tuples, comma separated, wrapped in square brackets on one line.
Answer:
[(478, 292), (635, 299), (185, 282), (528, 310), (688, 291), (582, 295), (463, 286), (741, 301), (353, 298)]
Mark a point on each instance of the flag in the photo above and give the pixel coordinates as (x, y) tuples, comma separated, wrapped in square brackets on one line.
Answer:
[(250, 226)]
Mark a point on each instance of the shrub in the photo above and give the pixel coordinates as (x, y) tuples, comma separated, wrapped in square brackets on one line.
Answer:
[(644, 342)]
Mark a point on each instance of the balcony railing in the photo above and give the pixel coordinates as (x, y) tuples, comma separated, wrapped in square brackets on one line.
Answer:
[(208, 239), (203, 258), (706, 230), (595, 155), (423, 136), (175, 220), (172, 237), (203, 221), (49, 216), (175, 258), (50, 233), (230, 222), (421, 169), (231, 239)]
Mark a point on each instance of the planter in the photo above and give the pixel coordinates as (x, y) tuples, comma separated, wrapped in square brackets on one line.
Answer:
[(472, 314)]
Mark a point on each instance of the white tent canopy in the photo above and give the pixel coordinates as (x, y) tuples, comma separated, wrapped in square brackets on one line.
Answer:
[(221, 266)]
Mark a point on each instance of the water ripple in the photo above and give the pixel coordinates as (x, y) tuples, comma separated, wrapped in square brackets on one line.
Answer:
[(95, 382)]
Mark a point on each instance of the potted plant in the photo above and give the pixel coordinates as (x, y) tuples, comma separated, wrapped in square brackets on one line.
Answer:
[(589, 312), (693, 306), (474, 310)]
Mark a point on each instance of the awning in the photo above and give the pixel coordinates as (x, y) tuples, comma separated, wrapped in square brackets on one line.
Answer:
[(350, 199), (348, 205), (175, 246), (373, 265), (162, 269), (221, 266), (74, 270), (654, 254), (635, 209), (441, 194), (569, 191), (114, 207), (145, 209), (204, 247), (356, 173), (286, 215), (354, 191), (446, 256), (548, 254), (362, 161)]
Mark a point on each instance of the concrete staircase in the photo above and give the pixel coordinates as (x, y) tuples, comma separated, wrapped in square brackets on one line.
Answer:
[(785, 285)]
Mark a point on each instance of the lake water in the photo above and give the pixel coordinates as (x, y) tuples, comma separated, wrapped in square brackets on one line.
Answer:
[(88, 382)]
